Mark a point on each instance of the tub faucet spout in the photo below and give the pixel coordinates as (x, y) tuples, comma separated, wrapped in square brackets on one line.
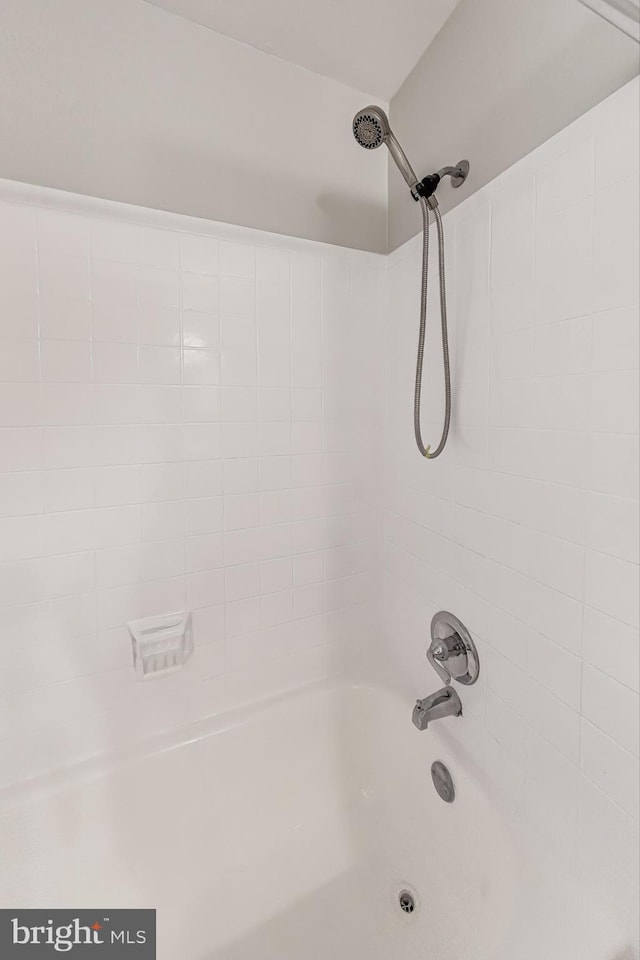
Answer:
[(443, 703)]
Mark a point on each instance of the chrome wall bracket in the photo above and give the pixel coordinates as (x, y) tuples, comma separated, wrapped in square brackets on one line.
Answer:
[(452, 653), (427, 187)]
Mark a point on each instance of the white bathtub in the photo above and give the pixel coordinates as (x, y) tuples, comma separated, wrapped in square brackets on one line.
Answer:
[(286, 832)]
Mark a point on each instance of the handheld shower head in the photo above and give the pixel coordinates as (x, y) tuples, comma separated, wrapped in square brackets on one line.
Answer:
[(371, 129)]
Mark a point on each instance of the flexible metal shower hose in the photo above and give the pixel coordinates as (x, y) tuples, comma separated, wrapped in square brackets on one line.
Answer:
[(426, 450)]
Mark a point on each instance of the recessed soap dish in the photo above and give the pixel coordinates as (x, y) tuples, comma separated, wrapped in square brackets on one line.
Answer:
[(161, 644)]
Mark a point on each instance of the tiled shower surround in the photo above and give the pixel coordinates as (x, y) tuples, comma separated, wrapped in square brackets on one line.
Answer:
[(186, 423), (200, 416), (527, 526)]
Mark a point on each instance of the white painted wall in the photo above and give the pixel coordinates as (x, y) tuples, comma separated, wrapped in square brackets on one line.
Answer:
[(363, 43), (500, 78), (185, 423), (125, 101), (527, 526)]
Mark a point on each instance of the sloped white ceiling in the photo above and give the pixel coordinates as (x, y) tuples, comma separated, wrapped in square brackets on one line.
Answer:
[(368, 44)]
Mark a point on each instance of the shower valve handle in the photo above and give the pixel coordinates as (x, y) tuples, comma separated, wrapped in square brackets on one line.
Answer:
[(448, 657)]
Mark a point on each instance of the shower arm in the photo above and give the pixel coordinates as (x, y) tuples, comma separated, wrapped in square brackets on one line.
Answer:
[(428, 186)]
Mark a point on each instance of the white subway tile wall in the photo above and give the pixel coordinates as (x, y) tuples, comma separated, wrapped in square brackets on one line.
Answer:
[(185, 423), (527, 527)]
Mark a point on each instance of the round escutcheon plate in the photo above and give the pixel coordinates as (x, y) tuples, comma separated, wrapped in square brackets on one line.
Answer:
[(446, 624)]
